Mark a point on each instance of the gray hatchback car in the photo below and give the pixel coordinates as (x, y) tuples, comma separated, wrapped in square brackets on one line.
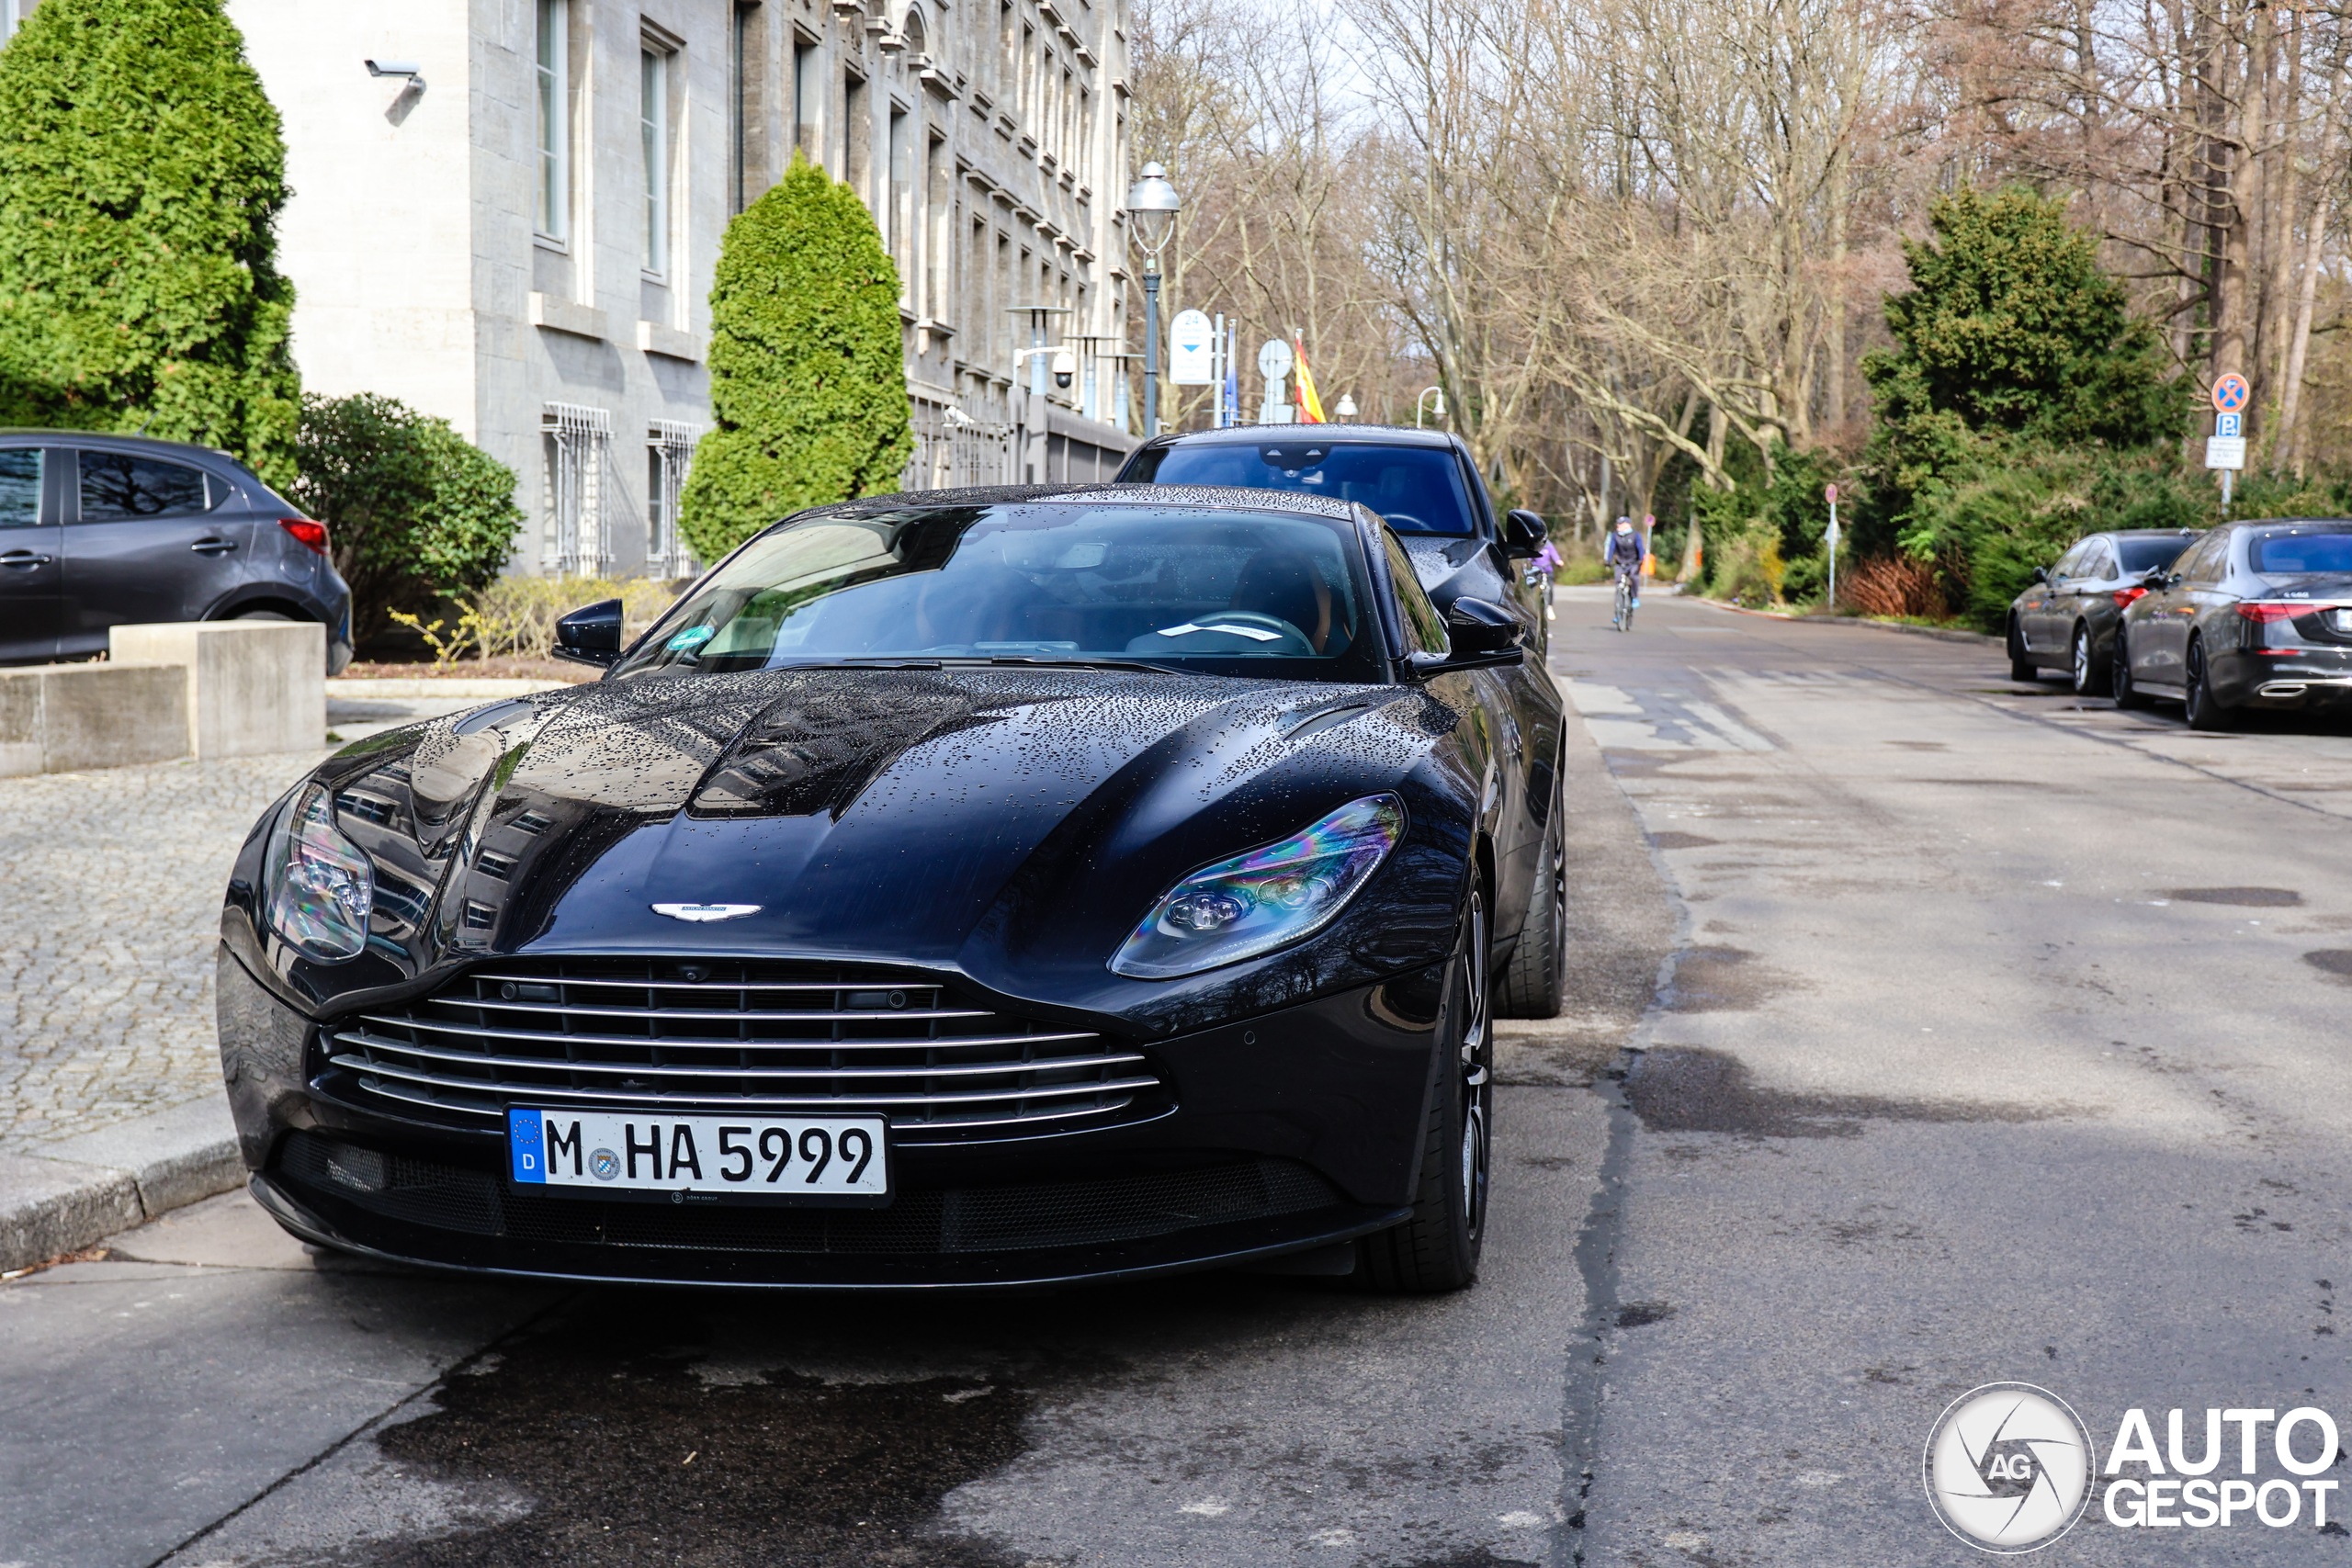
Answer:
[(99, 531)]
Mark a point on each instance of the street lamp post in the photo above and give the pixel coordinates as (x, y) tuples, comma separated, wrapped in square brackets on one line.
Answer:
[(1347, 408), (1152, 206), (1439, 410)]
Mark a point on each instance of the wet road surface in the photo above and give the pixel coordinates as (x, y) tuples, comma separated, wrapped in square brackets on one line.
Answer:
[(1928, 1031)]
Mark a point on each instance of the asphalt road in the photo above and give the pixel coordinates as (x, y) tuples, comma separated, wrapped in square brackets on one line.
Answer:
[(1930, 1031)]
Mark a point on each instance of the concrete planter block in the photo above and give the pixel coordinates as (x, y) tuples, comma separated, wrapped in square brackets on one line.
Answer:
[(254, 686), (67, 717)]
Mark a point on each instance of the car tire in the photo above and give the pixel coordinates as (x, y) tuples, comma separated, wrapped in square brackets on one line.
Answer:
[(2090, 676), (1437, 1249), (2021, 664), (2119, 676), (1534, 982), (2198, 703)]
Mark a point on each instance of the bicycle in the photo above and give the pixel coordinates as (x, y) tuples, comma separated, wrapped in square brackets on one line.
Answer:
[(1621, 616)]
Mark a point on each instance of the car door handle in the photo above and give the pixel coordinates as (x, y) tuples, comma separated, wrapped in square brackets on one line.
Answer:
[(24, 560), (212, 547)]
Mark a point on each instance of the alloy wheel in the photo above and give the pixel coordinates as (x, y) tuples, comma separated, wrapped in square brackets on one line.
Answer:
[(2082, 660), (1478, 1055)]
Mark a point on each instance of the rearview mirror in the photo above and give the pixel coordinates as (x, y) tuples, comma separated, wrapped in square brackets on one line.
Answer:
[(2041, 574), (1524, 533), (592, 635)]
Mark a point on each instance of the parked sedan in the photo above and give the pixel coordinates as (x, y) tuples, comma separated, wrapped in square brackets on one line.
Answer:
[(974, 887), (100, 531), (2066, 620), (2254, 614)]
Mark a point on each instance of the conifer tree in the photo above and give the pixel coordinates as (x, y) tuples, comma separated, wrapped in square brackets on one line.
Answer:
[(141, 173), (807, 387)]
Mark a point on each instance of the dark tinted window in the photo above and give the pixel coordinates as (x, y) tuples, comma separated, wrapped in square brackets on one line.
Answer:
[(1241, 592), (2293, 550), (2146, 554), (1419, 489), (1424, 628), (21, 487), (119, 487)]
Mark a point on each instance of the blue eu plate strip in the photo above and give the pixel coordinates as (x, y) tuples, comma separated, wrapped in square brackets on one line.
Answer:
[(526, 1145)]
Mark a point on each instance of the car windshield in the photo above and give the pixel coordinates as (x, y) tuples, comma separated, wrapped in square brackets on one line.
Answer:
[(2146, 554), (1419, 489), (2322, 548), (1219, 591)]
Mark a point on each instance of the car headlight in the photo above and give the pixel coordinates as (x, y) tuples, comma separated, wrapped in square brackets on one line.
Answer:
[(320, 888), (1268, 898)]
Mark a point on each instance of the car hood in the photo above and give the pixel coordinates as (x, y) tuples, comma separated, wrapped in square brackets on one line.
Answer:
[(1009, 823)]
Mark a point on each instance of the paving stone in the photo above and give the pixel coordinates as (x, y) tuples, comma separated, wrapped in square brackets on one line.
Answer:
[(113, 884)]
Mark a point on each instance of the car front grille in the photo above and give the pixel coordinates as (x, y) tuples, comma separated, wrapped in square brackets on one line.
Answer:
[(735, 1036), (919, 1222)]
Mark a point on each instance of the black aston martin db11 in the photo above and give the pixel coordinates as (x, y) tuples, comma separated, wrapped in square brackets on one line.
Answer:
[(976, 887)]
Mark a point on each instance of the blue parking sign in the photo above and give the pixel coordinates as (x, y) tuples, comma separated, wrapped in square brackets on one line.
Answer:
[(2227, 424)]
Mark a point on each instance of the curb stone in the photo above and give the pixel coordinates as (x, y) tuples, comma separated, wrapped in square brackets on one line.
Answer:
[(63, 1196)]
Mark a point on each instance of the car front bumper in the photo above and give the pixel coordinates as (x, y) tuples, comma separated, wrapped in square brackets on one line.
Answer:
[(1286, 1133)]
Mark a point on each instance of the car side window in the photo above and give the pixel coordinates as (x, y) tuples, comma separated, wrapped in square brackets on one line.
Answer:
[(2097, 564), (124, 486), (2203, 562), (1424, 627), (2069, 564), (21, 487)]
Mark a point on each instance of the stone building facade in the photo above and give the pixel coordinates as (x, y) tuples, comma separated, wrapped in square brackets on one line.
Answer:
[(520, 236)]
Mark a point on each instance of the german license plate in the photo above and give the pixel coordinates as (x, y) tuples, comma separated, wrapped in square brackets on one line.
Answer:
[(792, 1159)]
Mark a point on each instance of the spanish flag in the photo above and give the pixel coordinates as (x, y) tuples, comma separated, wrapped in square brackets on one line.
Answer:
[(1310, 406)]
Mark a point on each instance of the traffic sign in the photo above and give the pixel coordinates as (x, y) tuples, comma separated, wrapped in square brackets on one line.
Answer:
[(1191, 350), (2229, 394), (1274, 359), (2229, 424), (2225, 452)]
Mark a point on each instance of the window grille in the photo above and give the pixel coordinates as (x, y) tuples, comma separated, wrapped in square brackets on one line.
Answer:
[(670, 453), (953, 449), (577, 443)]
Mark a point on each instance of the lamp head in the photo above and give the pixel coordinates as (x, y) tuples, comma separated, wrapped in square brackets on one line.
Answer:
[(1152, 206), (1064, 366)]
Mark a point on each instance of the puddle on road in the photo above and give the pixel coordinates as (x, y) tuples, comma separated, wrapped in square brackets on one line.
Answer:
[(2335, 962), (2244, 897), (1685, 1089), (1682, 841), (1724, 979), (631, 1458)]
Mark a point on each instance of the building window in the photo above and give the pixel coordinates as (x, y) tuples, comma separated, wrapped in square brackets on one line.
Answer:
[(900, 218), (653, 131), (804, 100), (856, 135), (669, 454), (576, 448), (553, 80), (737, 119), (939, 233)]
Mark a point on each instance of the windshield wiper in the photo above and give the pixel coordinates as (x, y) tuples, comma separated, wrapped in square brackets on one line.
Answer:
[(1048, 662)]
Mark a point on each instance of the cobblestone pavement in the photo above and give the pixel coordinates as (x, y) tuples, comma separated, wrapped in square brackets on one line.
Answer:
[(109, 901)]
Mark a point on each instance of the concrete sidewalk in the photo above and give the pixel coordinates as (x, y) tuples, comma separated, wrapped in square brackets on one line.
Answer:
[(63, 1196)]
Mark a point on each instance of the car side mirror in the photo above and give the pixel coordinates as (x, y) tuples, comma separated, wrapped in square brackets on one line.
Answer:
[(592, 635), (1481, 635), (2157, 580), (1524, 533), (2041, 574)]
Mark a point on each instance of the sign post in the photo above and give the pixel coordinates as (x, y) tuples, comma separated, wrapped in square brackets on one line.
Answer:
[(2225, 448), (1190, 353), (1831, 492), (1275, 360)]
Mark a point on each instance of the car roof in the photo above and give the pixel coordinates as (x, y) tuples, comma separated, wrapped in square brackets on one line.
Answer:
[(1222, 498), (1367, 434), (18, 434), (2150, 532), (2278, 522)]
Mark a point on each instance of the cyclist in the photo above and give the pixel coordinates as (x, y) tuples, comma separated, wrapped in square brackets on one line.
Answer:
[(1624, 554), (1546, 562)]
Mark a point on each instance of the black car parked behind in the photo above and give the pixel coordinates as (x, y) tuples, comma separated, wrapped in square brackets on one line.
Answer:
[(100, 531), (2066, 620)]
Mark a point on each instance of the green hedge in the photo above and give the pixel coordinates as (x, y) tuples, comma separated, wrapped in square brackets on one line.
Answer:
[(808, 386), (141, 175)]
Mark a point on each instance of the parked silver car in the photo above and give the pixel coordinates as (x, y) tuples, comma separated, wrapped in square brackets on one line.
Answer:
[(99, 531)]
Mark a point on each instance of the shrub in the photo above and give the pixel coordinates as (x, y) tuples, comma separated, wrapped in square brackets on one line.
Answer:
[(514, 616), (414, 512), (141, 173), (807, 387)]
